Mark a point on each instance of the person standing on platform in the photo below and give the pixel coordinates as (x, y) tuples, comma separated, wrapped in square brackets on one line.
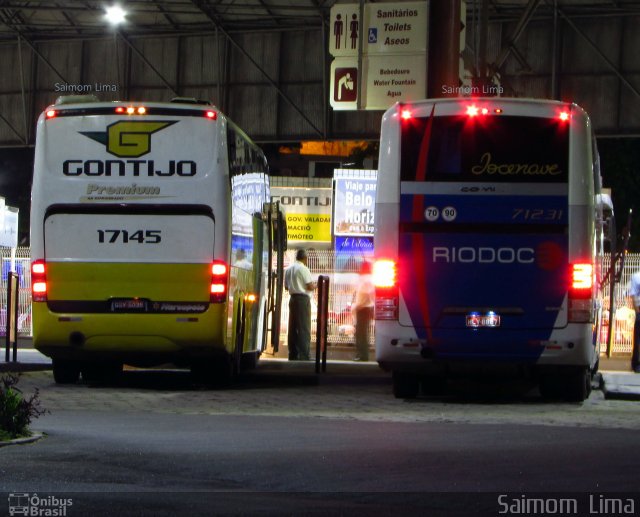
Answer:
[(634, 293), (362, 310), (298, 281)]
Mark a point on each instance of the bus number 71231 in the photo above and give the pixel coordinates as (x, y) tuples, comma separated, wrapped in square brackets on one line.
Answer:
[(537, 214), (123, 236)]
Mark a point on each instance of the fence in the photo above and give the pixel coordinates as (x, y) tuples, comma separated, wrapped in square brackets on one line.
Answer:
[(342, 284), (22, 258)]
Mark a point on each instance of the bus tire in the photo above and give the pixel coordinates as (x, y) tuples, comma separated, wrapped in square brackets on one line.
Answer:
[(578, 386), (65, 372), (405, 385), (101, 373), (573, 385), (433, 385), (217, 373), (249, 361)]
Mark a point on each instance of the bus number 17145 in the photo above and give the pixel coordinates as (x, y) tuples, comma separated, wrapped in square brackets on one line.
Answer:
[(123, 236)]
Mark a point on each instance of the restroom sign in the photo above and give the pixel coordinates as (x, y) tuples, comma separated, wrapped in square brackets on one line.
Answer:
[(344, 30)]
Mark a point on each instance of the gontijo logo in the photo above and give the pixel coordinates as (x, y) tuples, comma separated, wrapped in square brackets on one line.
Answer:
[(127, 138)]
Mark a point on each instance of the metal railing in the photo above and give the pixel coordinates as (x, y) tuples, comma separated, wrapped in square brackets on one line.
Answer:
[(23, 268), (340, 328)]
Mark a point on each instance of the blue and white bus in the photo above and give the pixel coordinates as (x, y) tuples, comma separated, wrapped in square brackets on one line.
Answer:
[(488, 243)]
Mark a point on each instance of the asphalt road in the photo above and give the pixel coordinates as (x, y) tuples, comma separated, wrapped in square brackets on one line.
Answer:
[(287, 443)]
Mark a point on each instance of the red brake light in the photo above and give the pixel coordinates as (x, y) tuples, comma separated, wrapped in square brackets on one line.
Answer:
[(406, 114), (51, 113), (120, 109), (581, 293), (211, 115), (38, 281), (472, 111), (564, 116), (384, 276), (582, 276), (384, 273), (218, 269), (219, 281)]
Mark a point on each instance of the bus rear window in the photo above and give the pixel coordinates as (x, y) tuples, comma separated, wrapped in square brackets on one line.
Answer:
[(485, 149)]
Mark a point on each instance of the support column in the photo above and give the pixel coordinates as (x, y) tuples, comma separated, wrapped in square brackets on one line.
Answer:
[(444, 47)]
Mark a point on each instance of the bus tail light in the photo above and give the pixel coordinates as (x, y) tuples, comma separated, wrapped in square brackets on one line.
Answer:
[(38, 281), (581, 293), (385, 280), (406, 114), (219, 282)]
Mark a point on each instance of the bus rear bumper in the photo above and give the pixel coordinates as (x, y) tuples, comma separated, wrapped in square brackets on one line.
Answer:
[(569, 346), (148, 338)]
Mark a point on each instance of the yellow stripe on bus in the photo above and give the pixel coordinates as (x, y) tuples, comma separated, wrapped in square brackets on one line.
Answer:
[(102, 281)]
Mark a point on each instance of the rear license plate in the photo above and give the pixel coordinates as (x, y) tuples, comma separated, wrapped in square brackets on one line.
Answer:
[(130, 305), (483, 320)]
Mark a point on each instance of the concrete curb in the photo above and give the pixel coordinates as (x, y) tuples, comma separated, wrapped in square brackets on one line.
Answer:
[(621, 385), (22, 441), (24, 367)]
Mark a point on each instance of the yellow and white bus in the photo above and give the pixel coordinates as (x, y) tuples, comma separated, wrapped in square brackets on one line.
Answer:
[(152, 238)]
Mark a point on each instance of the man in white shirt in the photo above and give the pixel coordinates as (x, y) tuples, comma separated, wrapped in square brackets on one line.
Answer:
[(300, 284), (362, 310)]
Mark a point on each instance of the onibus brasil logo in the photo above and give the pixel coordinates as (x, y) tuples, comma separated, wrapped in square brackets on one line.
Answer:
[(128, 138), (35, 505)]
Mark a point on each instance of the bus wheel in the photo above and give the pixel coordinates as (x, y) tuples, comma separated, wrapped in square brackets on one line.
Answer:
[(578, 386), (65, 372), (573, 385), (100, 373), (216, 373), (249, 361), (434, 385), (405, 385)]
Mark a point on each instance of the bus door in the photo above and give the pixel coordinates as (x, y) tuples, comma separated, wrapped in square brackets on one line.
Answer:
[(277, 234)]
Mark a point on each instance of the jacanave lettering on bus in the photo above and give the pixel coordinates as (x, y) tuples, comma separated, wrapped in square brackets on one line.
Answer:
[(135, 168), (526, 169)]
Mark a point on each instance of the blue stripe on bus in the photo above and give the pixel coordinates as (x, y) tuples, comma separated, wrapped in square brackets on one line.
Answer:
[(478, 208)]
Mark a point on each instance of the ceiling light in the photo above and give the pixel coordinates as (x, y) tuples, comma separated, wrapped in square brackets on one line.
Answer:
[(115, 15)]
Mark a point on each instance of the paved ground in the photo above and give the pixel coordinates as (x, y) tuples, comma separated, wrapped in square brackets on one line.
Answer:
[(356, 391)]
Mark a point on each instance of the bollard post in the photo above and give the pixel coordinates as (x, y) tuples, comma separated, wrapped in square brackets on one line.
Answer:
[(11, 328), (321, 322)]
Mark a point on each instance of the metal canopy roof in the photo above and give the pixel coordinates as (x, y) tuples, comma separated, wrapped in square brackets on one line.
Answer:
[(266, 63), (51, 19), (48, 19)]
